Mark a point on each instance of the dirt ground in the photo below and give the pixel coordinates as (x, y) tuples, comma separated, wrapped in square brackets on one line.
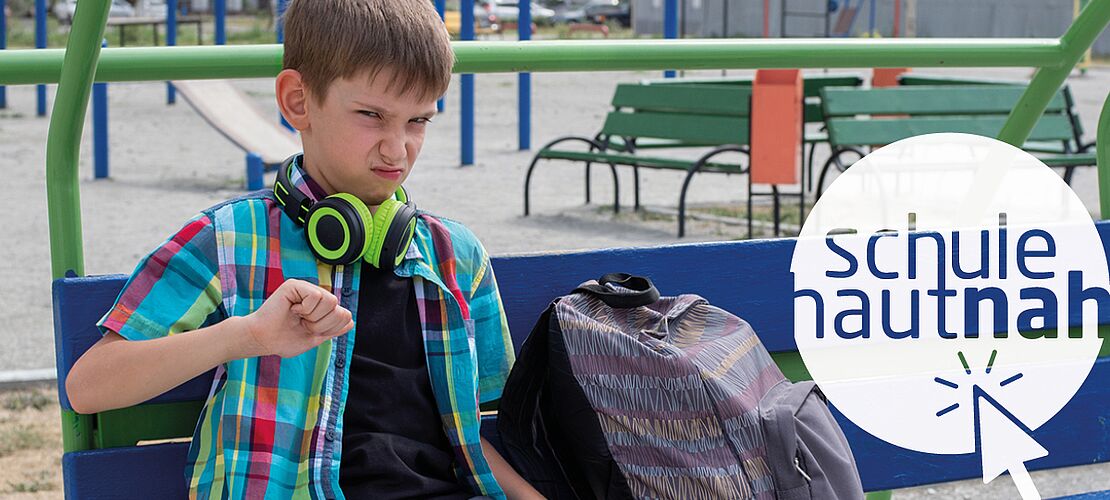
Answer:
[(167, 164), (30, 443)]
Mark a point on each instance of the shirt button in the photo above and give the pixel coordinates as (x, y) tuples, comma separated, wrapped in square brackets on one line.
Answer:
[(340, 362), (330, 436)]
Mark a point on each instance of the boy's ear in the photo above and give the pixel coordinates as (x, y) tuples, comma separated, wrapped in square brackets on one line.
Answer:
[(292, 98)]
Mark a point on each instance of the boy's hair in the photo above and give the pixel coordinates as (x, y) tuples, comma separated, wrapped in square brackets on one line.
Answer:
[(330, 39)]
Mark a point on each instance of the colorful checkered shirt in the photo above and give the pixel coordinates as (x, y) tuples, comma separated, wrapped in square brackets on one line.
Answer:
[(274, 428)]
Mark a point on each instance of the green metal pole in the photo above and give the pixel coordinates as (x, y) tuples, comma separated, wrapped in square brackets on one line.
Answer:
[(62, 190), (1102, 144), (21, 67), (1082, 33)]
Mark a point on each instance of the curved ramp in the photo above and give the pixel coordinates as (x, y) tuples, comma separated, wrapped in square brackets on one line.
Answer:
[(230, 112)]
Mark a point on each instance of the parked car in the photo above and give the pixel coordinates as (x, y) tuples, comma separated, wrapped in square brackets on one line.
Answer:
[(484, 20), (602, 11), (64, 9), (509, 10)]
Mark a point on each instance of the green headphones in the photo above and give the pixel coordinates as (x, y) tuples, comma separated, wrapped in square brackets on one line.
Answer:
[(340, 228)]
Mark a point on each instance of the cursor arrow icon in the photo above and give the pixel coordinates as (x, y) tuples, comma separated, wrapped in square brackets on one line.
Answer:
[(1005, 444)]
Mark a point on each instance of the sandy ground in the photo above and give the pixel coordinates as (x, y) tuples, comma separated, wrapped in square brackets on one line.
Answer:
[(167, 164)]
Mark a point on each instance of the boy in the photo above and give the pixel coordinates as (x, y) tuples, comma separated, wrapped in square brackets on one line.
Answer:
[(350, 366)]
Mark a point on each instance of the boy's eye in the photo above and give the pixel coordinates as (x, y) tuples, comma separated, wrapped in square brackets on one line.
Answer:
[(421, 120), (371, 114)]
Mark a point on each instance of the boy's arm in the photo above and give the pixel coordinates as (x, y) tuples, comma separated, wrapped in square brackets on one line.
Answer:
[(117, 373), (514, 486)]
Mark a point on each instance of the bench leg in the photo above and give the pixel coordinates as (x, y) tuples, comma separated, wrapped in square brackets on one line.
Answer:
[(616, 189), (1068, 172), (636, 187), (775, 205), (528, 183), (588, 164), (682, 197), (750, 206), (809, 165)]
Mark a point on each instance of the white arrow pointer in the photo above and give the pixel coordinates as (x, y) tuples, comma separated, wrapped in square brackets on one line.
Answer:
[(1005, 444)]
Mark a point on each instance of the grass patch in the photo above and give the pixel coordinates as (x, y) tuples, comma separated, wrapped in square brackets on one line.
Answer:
[(18, 438), (788, 211), (20, 401), (33, 483)]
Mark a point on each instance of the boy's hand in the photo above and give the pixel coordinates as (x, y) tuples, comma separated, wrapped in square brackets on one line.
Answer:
[(297, 317)]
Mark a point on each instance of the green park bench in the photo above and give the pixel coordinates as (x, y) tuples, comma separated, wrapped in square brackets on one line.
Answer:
[(858, 119), (811, 111), (715, 116)]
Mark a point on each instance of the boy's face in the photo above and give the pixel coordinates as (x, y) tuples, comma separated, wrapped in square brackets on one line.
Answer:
[(364, 139)]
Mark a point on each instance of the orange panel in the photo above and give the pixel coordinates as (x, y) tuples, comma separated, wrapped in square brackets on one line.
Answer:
[(776, 126), (886, 77)]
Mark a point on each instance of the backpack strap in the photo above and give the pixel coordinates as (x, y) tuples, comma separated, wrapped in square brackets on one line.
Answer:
[(630, 291)]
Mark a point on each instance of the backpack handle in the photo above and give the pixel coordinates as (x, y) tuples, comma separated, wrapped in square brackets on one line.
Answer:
[(643, 291)]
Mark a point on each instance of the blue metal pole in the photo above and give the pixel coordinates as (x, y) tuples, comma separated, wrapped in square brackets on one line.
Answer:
[(280, 24), (466, 90), (871, 21), (40, 42), (255, 169), (3, 45), (670, 26), (100, 127), (441, 8), (171, 40), (220, 10), (280, 21), (524, 81)]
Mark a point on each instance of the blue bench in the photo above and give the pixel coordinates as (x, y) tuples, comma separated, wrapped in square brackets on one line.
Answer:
[(755, 285)]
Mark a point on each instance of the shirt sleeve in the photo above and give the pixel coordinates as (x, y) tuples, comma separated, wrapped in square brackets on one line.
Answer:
[(174, 289), (491, 333)]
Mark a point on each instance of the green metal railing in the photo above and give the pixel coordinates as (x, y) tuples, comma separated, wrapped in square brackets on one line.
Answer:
[(82, 62)]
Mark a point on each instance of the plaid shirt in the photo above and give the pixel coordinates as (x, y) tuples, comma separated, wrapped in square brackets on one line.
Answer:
[(274, 429)]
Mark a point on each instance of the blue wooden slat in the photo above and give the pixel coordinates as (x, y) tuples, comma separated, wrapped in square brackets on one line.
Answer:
[(723, 273), (78, 304), (1097, 495), (156, 471), (1078, 435)]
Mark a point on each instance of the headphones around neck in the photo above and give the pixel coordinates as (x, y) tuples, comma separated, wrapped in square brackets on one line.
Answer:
[(340, 228)]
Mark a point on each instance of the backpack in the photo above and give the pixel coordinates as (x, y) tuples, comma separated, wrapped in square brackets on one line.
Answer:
[(620, 393)]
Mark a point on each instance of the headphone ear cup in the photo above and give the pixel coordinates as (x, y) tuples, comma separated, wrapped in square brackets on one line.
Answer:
[(394, 223), (337, 228)]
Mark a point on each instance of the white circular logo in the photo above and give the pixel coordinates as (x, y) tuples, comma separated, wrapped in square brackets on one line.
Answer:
[(942, 271)]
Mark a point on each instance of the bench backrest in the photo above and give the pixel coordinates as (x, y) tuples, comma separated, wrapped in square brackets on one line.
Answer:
[(703, 114), (755, 284), (1069, 100), (859, 117), (811, 88)]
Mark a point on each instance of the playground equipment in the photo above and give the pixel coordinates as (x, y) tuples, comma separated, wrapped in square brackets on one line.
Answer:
[(227, 109), (846, 12), (1075, 436)]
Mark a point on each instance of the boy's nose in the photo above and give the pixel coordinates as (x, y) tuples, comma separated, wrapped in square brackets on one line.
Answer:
[(392, 151)]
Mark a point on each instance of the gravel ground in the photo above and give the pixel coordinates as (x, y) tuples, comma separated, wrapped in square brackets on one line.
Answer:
[(167, 164)]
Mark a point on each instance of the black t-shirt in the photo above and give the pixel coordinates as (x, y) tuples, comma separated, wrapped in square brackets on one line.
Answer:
[(393, 440)]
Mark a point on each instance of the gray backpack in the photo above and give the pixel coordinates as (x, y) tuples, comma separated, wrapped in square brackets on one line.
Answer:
[(621, 393)]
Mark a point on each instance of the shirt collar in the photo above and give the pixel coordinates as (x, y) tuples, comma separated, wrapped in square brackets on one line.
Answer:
[(302, 182)]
